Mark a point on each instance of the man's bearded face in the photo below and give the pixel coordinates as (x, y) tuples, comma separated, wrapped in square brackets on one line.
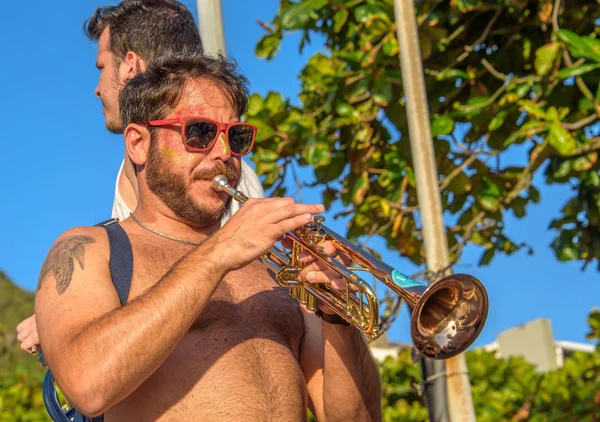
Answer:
[(171, 188)]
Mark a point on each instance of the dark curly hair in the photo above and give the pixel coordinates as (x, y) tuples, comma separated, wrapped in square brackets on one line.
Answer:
[(152, 95), (150, 28)]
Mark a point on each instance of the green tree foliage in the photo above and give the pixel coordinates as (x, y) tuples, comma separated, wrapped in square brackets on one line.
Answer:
[(513, 91), (21, 376), (21, 396), (15, 305), (505, 389)]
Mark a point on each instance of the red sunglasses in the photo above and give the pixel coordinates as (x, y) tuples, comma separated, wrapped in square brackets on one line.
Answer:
[(200, 133)]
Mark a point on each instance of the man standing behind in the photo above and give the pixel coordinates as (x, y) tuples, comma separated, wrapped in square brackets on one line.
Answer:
[(207, 334), (130, 35)]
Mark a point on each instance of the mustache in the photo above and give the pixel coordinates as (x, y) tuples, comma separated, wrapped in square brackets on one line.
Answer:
[(217, 170)]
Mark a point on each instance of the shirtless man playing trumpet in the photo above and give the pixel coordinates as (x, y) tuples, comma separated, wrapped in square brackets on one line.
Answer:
[(206, 333)]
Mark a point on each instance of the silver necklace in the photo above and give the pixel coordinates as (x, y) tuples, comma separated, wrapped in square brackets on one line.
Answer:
[(150, 229)]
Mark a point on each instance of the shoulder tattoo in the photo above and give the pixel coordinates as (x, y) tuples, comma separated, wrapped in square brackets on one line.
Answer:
[(60, 261)]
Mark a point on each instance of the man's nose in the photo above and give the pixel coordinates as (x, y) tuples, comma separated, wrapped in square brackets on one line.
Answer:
[(221, 148), (97, 91)]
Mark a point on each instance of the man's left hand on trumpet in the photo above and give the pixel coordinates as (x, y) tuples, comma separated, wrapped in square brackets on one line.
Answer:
[(315, 271)]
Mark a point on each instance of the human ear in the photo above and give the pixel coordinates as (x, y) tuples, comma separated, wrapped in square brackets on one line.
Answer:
[(134, 65), (137, 143)]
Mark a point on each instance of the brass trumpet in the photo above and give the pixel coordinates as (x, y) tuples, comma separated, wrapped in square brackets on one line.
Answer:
[(446, 317)]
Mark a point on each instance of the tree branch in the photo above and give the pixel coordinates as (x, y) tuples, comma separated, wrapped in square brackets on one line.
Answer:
[(592, 146), (297, 183), (466, 236), (282, 135), (469, 48), (567, 58), (503, 77), (265, 26), (403, 187), (403, 209), (485, 32), (446, 181), (581, 123), (555, 15), (487, 103), (523, 413), (536, 159), (468, 151), (421, 19), (282, 175), (578, 80)]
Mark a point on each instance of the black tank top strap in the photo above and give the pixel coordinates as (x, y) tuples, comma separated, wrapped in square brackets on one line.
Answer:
[(121, 258)]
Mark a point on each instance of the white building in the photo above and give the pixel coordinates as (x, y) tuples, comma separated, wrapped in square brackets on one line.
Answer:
[(533, 341)]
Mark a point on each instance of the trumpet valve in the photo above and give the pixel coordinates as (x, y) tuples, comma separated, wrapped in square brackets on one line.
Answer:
[(303, 296), (312, 303), (318, 221), (294, 292), (313, 231)]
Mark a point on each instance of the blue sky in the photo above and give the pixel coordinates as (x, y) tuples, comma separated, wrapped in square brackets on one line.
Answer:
[(59, 163)]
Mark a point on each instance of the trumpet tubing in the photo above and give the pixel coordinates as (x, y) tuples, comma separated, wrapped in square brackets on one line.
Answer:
[(446, 317)]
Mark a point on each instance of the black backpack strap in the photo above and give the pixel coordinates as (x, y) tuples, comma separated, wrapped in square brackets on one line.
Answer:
[(51, 402), (55, 409), (121, 258)]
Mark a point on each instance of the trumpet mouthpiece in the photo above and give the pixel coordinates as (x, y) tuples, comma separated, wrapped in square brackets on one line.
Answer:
[(220, 183)]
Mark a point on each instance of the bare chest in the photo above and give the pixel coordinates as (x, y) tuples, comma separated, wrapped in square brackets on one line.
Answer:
[(246, 304), (240, 354)]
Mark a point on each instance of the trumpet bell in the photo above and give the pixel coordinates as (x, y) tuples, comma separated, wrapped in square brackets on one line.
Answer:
[(449, 316)]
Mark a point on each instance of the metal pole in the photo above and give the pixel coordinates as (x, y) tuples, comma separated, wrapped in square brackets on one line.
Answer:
[(460, 402), (210, 19)]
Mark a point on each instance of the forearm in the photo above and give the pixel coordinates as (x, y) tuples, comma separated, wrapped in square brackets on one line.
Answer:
[(351, 385), (110, 357)]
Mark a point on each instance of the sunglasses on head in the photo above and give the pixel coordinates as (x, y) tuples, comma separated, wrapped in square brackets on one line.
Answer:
[(200, 133)]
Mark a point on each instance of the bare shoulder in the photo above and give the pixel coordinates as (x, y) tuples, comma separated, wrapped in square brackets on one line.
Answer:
[(74, 287), (77, 247)]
